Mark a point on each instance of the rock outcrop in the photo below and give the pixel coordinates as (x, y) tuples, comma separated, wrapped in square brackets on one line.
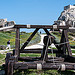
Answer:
[(67, 16)]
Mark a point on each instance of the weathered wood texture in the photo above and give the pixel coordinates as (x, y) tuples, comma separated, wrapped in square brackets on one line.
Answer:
[(67, 44), (37, 51), (50, 59), (32, 65), (41, 26), (8, 65), (44, 53), (17, 42), (62, 47)]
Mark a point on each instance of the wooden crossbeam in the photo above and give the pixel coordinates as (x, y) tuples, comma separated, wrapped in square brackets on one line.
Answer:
[(33, 65), (36, 51), (41, 26), (29, 39)]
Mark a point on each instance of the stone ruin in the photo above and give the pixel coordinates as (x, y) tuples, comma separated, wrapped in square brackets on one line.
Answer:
[(67, 16)]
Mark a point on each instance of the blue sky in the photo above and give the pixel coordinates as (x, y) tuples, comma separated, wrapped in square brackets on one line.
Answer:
[(33, 11)]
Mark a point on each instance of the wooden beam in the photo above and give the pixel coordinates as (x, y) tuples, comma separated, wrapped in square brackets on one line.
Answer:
[(39, 58), (69, 58), (30, 58), (41, 26), (32, 65), (62, 47), (36, 51), (29, 39), (17, 42), (67, 44)]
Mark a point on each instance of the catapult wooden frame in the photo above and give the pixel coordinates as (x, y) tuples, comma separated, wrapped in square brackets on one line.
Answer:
[(63, 59)]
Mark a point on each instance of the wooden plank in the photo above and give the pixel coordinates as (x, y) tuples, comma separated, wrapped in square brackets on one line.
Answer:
[(29, 39), (39, 58), (36, 51), (40, 26), (63, 46), (67, 44), (44, 53), (32, 65), (17, 43)]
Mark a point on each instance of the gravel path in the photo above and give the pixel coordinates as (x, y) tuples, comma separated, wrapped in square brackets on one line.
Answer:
[(39, 45)]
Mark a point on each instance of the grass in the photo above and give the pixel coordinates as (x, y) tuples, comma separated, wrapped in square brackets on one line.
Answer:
[(24, 36), (2, 58), (73, 51), (58, 37), (30, 54), (37, 72), (5, 36), (43, 72)]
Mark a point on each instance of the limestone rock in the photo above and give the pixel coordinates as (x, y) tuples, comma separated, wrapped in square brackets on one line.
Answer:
[(67, 16)]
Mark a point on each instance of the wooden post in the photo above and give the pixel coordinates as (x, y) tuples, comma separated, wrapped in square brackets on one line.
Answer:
[(67, 44), (29, 39), (58, 47), (44, 54), (17, 43), (63, 46), (10, 68)]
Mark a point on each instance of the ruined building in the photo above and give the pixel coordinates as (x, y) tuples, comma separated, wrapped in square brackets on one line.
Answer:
[(67, 16), (5, 23)]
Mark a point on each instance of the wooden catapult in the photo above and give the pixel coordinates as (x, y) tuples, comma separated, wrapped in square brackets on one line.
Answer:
[(63, 60)]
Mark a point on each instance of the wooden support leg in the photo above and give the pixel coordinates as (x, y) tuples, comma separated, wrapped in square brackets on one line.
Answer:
[(8, 65), (67, 44), (10, 68), (44, 54), (63, 46), (29, 39), (17, 44)]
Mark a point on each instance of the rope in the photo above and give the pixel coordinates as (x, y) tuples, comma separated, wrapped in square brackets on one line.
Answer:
[(59, 44), (52, 55), (52, 52)]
